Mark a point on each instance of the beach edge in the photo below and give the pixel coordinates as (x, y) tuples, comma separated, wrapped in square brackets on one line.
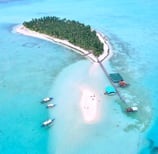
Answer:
[(106, 55)]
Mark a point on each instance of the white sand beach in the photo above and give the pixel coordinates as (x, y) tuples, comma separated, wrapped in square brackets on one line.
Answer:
[(106, 54), (89, 99), (89, 105)]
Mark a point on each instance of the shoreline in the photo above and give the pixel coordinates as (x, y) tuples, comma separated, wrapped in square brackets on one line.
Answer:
[(89, 105), (107, 53)]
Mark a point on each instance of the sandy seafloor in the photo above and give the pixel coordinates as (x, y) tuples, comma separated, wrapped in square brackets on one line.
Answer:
[(32, 69)]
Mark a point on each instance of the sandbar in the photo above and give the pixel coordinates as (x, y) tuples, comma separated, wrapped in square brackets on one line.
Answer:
[(89, 105)]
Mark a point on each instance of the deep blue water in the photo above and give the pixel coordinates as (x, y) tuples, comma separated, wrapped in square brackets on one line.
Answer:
[(33, 68)]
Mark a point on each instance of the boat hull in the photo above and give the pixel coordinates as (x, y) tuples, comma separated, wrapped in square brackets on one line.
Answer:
[(50, 105), (45, 100), (47, 123)]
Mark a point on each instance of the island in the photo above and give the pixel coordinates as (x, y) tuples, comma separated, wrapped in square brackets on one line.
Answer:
[(73, 31), (72, 34), (79, 37)]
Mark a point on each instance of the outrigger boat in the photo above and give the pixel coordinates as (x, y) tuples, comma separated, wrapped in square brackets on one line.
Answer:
[(47, 99), (51, 105), (47, 122), (132, 109)]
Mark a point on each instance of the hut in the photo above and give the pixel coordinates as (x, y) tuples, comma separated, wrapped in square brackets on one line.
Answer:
[(116, 77), (109, 90), (123, 83)]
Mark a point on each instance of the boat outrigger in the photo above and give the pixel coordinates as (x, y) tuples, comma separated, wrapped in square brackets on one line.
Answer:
[(47, 99), (132, 109), (47, 122), (51, 105)]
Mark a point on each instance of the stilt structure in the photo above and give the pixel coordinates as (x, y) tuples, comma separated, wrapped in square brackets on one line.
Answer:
[(106, 74)]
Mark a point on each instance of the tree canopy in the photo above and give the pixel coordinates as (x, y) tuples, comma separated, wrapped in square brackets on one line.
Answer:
[(73, 31)]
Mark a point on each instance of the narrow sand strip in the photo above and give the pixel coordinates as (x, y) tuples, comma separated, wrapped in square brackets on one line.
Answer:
[(89, 105), (106, 54)]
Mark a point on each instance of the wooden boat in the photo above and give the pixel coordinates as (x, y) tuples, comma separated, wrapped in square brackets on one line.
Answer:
[(47, 99), (51, 105), (47, 122), (132, 109)]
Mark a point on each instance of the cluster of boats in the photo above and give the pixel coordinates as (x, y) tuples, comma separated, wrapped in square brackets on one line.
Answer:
[(48, 122), (46, 100)]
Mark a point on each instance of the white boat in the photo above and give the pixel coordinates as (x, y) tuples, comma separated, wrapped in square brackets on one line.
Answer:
[(48, 122), (51, 105), (47, 99), (132, 109)]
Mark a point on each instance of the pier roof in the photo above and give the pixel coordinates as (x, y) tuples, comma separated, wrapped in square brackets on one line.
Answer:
[(115, 77), (110, 89)]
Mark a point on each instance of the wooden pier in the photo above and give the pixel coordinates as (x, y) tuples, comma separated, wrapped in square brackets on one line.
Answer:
[(107, 75), (105, 71)]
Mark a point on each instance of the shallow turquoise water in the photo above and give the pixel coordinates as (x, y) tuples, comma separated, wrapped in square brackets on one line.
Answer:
[(32, 69), (29, 67)]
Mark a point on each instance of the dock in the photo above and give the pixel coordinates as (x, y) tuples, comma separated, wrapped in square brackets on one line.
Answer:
[(113, 76), (112, 83)]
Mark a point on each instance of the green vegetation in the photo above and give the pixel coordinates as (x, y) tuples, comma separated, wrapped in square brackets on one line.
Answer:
[(73, 31)]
